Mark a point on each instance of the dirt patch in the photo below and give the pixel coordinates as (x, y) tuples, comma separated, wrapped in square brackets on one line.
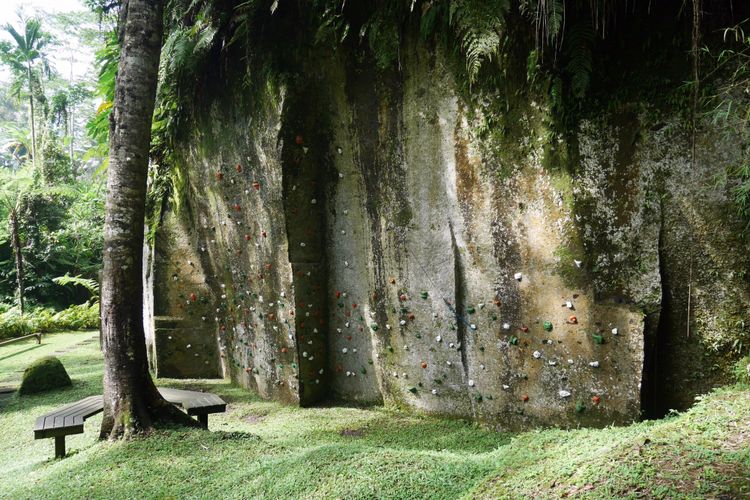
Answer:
[(352, 433), (254, 419)]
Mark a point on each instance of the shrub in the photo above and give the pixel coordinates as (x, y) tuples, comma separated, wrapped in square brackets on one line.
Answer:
[(43, 320), (44, 374)]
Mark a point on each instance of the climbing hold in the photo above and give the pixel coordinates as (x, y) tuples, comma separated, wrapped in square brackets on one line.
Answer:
[(547, 326), (344, 350), (374, 327), (577, 262), (563, 393), (518, 276), (470, 310), (471, 383), (438, 339), (537, 354), (596, 400), (569, 305), (514, 340), (524, 398), (524, 329), (615, 331), (424, 294), (506, 326), (193, 297), (598, 339), (219, 176), (256, 185), (572, 320), (594, 364), (298, 140), (424, 365), (473, 326), (402, 297), (284, 349), (434, 392), (413, 390), (392, 281), (238, 167), (580, 407)]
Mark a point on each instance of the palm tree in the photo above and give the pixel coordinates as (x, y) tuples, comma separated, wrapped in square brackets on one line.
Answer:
[(11, 189), (25, 59)]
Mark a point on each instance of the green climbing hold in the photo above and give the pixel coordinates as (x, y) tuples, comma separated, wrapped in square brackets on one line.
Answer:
[(598, 339), (580, 407), (413, 390), (390, 348), (374, 327), (478, 398), (471, 310), (514, 340), (363, 371), (547, 326), (424, 295)]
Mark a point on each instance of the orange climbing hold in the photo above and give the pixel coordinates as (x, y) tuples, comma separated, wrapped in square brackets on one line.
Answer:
[(573, 320)]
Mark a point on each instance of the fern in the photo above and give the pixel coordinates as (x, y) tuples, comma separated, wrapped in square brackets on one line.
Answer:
[(480, 27), (577, 48), (91, 285)]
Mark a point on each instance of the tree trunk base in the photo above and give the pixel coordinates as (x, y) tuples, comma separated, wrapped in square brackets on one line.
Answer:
[(141, 415)]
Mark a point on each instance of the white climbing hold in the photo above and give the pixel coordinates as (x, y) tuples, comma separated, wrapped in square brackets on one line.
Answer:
[(570, 361), (577, 262), (451, 345), (449, 363), (434, 392), (302, 244), (615, 331), (438, 339), (473, 326), (506, 387), (552, 362), (188, 346), (506, 326), (594, 364), (569, 305), (471, 383), (387, 326), (344, 350), (304, 354), (313, 201), (402, 322), (537, 354), (564, 394), (518, 276)]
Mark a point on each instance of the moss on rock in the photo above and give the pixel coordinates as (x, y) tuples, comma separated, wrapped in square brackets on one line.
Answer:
[(44, 374)]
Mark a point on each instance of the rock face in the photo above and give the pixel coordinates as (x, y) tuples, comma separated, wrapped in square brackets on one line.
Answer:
[(362, 240)]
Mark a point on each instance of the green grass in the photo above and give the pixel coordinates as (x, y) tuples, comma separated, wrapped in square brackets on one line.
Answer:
[(264, 449)]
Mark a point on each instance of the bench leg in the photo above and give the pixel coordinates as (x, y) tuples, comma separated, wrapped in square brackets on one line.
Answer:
[(59, 446), (203, 419)]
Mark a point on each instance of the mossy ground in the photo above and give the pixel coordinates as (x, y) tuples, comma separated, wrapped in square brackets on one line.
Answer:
[(264, 449), (44, 374)]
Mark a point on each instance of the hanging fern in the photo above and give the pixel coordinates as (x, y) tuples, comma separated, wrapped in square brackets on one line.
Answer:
[(480, 27), (577, 48)]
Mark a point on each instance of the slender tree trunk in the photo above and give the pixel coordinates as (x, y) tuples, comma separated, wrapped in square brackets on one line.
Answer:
[(15, 237), (131, 402), (31, 114)]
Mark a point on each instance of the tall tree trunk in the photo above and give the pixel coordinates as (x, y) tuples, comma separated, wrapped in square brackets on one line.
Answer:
[(131, 402), (15, 238), (31, 114)]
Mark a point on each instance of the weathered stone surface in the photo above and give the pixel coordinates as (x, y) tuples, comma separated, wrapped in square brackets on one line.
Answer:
[(373, 247)]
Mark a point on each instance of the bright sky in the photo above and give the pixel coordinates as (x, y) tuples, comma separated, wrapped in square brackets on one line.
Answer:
[(59, 56)]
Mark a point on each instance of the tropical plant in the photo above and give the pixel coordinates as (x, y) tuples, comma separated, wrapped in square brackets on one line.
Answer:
[(28, 62)]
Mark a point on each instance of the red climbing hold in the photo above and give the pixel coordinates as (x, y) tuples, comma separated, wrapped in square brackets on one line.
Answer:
[(283, 349), (525, 398), (596, 400), (219, 176), (525, 329), (238, 167), (248, 237), (193, 297), (496, 302), (354, 305), (402, 297), (411, 316), (256, 185), (424, 365), (338, 294), (237, 207), (298, 140), (573, 320)]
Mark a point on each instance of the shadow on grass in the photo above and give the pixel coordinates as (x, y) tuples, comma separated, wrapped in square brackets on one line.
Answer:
[(8, 356)]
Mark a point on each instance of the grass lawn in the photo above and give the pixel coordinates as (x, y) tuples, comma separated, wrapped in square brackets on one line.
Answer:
[(264, 449)]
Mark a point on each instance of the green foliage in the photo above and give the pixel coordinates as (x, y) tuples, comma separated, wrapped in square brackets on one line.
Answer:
[(89, 284), (729, 107), (44, 374), (43, 320), (480, 27)]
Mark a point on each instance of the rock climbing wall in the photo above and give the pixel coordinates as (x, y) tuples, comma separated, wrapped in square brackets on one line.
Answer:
[(361, 241)]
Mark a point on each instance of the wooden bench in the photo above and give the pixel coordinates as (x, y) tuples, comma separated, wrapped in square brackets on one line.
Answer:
[(69, 419)]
